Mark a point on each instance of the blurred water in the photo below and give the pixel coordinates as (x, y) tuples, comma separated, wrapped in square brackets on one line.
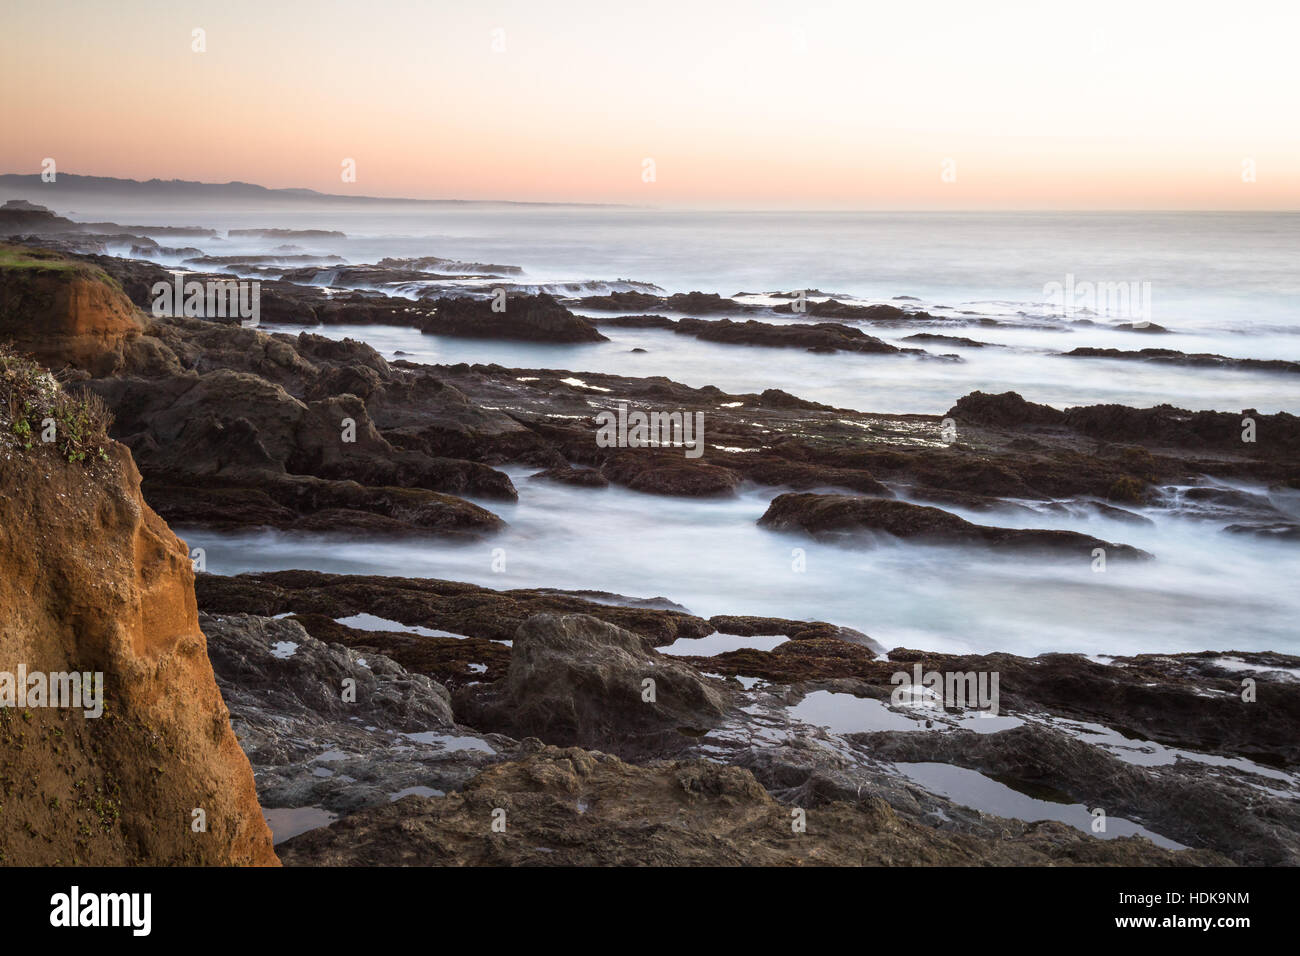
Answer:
[(1205, 590)]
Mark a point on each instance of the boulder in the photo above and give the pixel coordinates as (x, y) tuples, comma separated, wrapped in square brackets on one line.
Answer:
[(575, 679)]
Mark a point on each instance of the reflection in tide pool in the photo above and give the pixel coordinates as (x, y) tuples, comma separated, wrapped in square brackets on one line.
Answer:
[(971, 788)]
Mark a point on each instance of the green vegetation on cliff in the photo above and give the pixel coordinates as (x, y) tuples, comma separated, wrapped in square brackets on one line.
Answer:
[(37, 411)]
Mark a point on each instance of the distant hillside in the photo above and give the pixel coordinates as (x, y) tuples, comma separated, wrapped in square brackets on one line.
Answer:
[(70, 186)]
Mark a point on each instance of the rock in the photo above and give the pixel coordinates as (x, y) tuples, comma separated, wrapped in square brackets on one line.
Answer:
[(1277, 531), (576, 808), (582, 477), (1182, 805), (1007, 409), (634, 322), (334, 728), (621, 302), (833, 309), (822, 335), (529, 318), (929, 337), (455, 266), (452, 660), (831, 516), (94, 581), (62, 311), (1169, 426), (215, 406), (748, 625), (1195, 360), (287, 233), (467, 609), (575, 679), (1149, 327), (704, 302), (669, 473)]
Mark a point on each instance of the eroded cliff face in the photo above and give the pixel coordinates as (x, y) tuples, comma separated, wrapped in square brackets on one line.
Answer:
[(62, 312), (92, 580)]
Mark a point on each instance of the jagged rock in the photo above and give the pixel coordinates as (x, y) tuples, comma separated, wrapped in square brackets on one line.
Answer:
[(336, 728)]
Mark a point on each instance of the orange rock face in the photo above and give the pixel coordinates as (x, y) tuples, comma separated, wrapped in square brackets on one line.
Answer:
[(92, 580), (67, 317)]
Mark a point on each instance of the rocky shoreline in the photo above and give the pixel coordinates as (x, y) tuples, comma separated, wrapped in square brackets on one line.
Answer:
[(790, 745)]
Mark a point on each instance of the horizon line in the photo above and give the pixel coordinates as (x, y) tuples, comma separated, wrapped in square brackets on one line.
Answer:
[(306, 193)]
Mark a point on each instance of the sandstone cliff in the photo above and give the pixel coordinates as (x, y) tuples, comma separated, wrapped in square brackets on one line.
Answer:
[(92, 580), (63, 312)]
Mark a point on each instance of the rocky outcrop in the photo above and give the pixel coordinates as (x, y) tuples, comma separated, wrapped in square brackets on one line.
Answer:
[(815, 337), (937, 339), (457, 266), (1162, 425), (833, 309), (575, 679), (844, 516), (451, 606), (249, 453), (620, 302), (93, 582), (528, 318), (62, 311), (332, 729), (1192, 359), (818, 337)]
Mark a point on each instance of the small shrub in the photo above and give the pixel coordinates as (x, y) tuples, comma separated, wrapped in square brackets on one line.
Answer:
[(32, 395)]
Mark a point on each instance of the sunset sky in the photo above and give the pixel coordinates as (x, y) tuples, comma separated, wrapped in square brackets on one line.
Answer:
[(806, 103)]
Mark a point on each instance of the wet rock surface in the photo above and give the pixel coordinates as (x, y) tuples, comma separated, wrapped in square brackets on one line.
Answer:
[(844, 517), (577, 680), (1194, 359), (573, 807), (459, 608), (536, 318), (332, 728), (1164, 745)]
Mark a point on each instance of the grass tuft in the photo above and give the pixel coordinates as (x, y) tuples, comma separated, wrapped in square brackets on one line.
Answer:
[(40, 413)]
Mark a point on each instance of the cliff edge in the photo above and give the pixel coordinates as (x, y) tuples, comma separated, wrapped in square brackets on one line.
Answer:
[(62, 311)]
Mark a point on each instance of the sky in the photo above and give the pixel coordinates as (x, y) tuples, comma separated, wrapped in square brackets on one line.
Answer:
[(808, 104)]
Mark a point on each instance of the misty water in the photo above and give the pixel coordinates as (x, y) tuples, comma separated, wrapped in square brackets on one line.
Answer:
[(1223, 283), (1205, 590)]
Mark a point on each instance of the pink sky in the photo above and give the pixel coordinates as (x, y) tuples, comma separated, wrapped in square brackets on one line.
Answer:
[(756, 104)]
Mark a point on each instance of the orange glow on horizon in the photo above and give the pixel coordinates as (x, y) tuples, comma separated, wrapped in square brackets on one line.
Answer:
[(810, 105)]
